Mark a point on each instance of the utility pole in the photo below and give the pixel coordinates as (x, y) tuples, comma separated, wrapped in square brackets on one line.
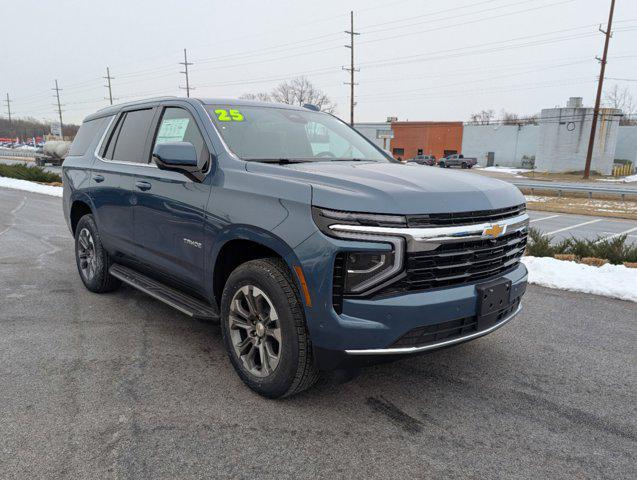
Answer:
[(57, 94), (185, 63), (351, 69), (600, 83), (8, 102), (108, 78)]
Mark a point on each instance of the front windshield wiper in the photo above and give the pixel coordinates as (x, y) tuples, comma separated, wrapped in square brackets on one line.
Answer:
[(280, 161)]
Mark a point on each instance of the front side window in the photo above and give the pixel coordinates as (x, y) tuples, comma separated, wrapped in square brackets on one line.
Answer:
[(264, 133), (178, 125)]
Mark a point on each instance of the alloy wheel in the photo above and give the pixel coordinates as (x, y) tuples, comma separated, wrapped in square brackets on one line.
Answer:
[(86, 254), (255, 330)]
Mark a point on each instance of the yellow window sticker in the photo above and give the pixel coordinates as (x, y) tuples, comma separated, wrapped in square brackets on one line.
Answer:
[(230, 115)]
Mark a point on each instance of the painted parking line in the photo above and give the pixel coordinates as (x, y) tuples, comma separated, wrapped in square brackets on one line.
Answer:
[(543, 218), (614, 235), (574, 226)]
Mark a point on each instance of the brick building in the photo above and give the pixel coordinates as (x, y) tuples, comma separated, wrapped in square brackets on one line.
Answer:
[(428, 138)]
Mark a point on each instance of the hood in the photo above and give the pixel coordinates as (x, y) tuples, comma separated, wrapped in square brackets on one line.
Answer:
[(374, 187)]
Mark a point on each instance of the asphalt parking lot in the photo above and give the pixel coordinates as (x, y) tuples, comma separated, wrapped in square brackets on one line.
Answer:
[(121, 386)]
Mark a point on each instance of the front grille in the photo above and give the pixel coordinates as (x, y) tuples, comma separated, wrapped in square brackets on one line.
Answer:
[(463, 218), (429, 334), (460, 263)]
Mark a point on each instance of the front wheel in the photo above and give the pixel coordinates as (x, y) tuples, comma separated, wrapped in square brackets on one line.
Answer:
[(264, 329), (442, 164)]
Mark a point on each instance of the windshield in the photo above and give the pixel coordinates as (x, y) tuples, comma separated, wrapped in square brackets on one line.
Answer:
[(272, 133)]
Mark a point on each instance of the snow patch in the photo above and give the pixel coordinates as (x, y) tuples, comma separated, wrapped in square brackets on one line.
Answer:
[(27, 186), (628, 179), (509, 170), (615, 281)]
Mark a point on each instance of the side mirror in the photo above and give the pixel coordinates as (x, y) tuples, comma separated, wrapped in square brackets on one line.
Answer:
[(179, 157)]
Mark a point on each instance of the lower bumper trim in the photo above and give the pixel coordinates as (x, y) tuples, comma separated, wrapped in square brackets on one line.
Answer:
[(433, 346)]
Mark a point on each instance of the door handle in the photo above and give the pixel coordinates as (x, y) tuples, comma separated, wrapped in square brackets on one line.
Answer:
[(98, 178), (143, 185)]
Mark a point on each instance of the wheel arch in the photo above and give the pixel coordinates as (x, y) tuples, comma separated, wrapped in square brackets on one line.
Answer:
[(243, 244), (80, 206)]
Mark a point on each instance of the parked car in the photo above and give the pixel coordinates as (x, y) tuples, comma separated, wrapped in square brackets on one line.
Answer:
[(457, 160), (313, 248), (424, 160)]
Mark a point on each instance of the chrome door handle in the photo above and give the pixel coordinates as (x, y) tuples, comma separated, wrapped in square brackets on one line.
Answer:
[(98, 178), (143, 185)]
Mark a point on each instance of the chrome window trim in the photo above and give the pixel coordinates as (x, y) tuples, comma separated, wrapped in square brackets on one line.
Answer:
[(456, 233), (433, 346)]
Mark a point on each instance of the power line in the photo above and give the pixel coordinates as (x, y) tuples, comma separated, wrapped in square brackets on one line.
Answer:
[(598, 98), (108, 78), (186, 63), (351, 68)]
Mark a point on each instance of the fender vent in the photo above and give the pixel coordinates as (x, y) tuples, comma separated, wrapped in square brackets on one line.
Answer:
[(338, 282)]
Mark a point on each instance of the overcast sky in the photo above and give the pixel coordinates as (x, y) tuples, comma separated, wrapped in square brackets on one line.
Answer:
[(418, 59)]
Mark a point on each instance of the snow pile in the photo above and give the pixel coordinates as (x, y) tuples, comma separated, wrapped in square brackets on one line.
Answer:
[(510, 170), (30, 186), (628, 179), (615, 281)]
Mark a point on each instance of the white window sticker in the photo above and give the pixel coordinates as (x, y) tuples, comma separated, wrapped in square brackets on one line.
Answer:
[(172, 130)]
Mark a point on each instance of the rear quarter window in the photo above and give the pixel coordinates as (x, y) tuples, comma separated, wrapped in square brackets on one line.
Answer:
[(86, 134)]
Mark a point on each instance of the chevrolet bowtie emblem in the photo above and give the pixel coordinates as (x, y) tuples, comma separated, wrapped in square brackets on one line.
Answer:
[(493, 231)]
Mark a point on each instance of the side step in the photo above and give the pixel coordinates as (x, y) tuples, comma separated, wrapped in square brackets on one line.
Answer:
[(191, 306)]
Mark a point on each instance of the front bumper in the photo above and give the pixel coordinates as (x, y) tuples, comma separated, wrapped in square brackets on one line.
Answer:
[(369, 330)]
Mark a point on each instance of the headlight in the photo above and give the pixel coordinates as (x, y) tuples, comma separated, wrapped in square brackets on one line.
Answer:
[(364, 270)]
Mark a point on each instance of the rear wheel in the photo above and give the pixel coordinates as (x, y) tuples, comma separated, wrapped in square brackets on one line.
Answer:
[(93, 261), (264, 329), (464, 165)]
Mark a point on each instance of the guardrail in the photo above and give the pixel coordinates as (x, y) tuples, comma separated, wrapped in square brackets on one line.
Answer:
[(17, 152), (561, 188)]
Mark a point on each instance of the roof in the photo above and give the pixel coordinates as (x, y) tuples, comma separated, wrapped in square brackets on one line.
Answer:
[(113, 109)]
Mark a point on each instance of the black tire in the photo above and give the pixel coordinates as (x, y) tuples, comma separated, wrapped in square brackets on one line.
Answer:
[(295, 370), (464, 165), (99, 281), (442, 164)]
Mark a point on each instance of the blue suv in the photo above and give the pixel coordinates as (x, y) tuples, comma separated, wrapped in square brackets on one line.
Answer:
[(313, 248)]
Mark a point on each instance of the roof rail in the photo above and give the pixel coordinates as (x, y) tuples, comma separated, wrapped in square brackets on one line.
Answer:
[(141, 100)]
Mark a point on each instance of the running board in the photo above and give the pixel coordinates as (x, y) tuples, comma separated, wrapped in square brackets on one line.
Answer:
[(185, 303)]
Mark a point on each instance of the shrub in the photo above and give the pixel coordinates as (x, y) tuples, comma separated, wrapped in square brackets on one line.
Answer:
[(614, 250), (23, 171)]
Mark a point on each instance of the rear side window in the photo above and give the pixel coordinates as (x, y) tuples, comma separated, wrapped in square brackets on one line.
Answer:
[(129, 137), (86, 134)]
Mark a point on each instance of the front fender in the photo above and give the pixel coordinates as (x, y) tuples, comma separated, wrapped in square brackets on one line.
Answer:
[(254, 234)]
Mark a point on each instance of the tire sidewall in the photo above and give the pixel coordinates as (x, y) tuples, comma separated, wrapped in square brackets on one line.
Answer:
[(280, 381)]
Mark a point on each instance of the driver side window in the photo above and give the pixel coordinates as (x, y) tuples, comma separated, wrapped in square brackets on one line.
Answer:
[(178, 125)]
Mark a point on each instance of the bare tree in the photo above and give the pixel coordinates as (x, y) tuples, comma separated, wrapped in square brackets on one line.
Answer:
[(510, 118), (297, 91), (621, 99), (259, 96), (483, 117)]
